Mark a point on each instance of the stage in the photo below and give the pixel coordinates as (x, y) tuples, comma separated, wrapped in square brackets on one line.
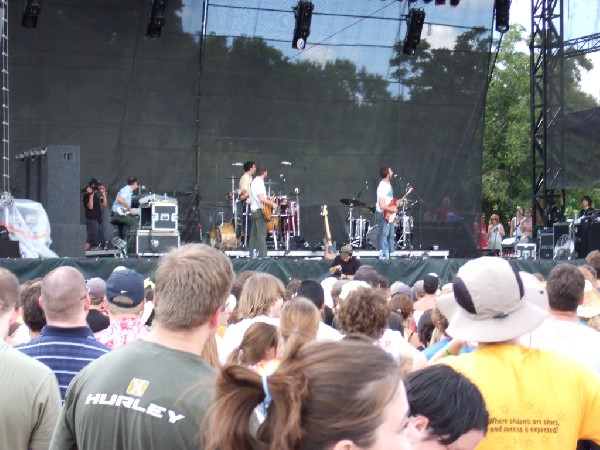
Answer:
[(405, 266)]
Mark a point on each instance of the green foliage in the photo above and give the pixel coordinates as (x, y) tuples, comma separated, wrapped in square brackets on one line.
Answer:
[(506, 174)]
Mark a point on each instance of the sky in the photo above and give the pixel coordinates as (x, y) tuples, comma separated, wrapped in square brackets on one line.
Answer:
[(580, 18)]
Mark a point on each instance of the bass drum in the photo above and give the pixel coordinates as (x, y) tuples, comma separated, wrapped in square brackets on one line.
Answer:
[(373, 237), (226, 238)]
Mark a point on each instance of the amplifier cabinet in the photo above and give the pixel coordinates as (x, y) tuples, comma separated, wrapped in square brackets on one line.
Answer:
[(526, 250), (159, 216), (152, 243)]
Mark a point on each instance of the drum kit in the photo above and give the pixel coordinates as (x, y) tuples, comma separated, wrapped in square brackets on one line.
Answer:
[(363, 231), (282, 228)]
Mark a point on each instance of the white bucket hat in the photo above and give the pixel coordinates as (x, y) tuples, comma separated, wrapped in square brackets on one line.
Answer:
[(493, 302)]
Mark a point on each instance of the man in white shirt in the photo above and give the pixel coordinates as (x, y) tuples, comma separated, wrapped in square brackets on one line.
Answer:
[(384, 207), (121, 208), (244, 193), (562, 332), (258, 199)]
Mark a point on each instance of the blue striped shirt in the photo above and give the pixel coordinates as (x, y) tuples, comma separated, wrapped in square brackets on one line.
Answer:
[(65, 350)]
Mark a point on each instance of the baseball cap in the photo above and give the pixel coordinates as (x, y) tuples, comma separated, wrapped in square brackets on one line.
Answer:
[(97, 288), (346, 249), (493, 302), (125, 283)]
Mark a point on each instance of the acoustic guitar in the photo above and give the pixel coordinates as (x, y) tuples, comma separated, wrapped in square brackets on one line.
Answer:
[(267, 212), (390, 217)]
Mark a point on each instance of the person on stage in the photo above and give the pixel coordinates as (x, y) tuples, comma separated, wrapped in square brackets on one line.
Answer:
[(586, 204), (383, 207), (344, 265), (94, 200), (515, 225), (258, 199), (495, 233), (123, 200), (527, 226), (244, 193)]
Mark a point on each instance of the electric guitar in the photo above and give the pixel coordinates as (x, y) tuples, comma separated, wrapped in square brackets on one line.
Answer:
[(390, 217), (329, 245)]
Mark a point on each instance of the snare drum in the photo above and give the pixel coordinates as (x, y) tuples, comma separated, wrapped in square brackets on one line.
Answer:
[(225, 237)]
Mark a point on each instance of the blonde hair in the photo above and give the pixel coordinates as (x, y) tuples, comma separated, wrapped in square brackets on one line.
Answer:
[(209, 352), (192, 283), (593, 322), (259, 294), (299, 322)]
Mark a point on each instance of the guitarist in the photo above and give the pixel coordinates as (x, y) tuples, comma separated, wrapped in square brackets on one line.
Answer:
[(258, 201), (123, 200), (385, 206)]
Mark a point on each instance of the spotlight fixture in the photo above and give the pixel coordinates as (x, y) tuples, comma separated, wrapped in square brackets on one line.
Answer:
[(415, 20), (303, 15), (501, 9), (158, 16), (31, 11)]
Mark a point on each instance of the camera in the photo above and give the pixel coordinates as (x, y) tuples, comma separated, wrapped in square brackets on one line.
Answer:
[(94, 184)]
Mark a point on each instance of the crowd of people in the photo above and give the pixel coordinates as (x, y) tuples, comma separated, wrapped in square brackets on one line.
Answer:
[(201, 358)]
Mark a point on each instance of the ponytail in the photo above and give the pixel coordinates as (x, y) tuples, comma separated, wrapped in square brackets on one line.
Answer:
[(239, 390)]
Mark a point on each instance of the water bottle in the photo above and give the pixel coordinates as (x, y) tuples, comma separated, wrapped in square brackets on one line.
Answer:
[(254, 254), (165, 197)]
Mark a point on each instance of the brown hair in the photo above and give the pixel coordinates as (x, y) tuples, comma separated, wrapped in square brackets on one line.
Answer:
[(63, 293), (321, 393), (257, 340), (291, 288), (9, 291), (593, 259), (210, 353), (402, 304), (299, 322), (364, 311), (260, 293), (33, 314), (192, 282), (117, 310)]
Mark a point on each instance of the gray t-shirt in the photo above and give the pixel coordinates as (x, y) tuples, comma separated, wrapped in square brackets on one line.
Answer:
[(29, 401), (143, 395)]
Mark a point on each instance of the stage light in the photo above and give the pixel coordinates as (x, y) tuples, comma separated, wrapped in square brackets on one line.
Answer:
[(158, 16), (501, 8), (303, 15), (415, 20), (31, 11)]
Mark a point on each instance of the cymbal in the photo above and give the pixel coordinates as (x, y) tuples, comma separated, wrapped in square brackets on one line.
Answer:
[(354, 202)]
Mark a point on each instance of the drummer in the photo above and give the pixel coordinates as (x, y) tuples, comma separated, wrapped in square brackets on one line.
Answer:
[(344, 266)]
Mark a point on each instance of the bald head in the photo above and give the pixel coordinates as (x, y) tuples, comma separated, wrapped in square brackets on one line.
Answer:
[(64, 295)]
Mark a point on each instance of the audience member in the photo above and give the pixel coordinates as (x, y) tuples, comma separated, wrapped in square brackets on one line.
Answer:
[(593, 259), (260, 301), (562, 332), (299, 323), (365, 311), (322, 396), (431, 284), (368, 275), (447, 410), (313, 291), (33, 314), (403, 306), (536, 399), (290, 289), (260, 342), (96, 318), (30, 402), (153, 393), (125, 300), (66, 344), (418, 290)]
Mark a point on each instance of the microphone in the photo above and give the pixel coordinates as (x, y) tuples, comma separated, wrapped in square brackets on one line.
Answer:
[(237, 164), (396, 175), (286, 163)]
